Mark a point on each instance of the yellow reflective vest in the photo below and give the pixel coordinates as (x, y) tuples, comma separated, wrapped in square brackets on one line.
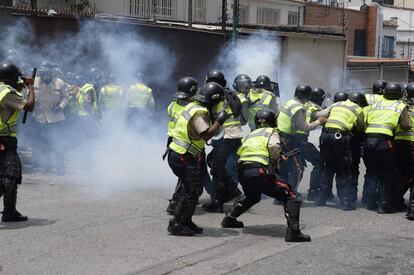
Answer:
[(139, 96), (310, 109), (373, 98), (174, 111), (343, 116), (87, 108), (8, 128), (182, 142), (288, 110), (254, 147), (258, 100), (384, 117), (406, 135), (112, 96)]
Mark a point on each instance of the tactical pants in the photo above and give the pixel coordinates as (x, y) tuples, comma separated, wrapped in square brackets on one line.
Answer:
[(10, 173), (356, 148), (222, 180), (381, 177), (405, 156), (188, 169), (309, 152), (292, 169), (336, 156)]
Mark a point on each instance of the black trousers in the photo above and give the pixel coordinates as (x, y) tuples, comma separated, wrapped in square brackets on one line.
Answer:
[(222, 180), (336, 156), (257, 181), (292, 169), (405, 156), (381, 179), (188, 169)]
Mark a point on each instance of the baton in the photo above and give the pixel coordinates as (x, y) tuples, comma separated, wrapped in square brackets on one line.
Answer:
[(25, 111)]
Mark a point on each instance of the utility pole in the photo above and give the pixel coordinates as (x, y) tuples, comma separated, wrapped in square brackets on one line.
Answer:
[(236, 8), (190, 13), (224, 15)]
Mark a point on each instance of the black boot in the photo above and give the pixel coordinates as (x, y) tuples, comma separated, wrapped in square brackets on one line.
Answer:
[(214, 206), (175, 198), (293, 234), (183, 213), (171, 206), (177, 228), (240, 206), (195, 228), (10, 214), (312, 194), (410, 210), (320, 201)]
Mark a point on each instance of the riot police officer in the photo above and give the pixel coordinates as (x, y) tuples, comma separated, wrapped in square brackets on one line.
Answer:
[(189, 137), (260, 98), (11, 103), (384, 118), (258, 166), (344, 117), (404, 145), (292, 118), (377, 92)]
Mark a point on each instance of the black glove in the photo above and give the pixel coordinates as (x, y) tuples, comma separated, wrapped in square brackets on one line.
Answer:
[(221, 117)]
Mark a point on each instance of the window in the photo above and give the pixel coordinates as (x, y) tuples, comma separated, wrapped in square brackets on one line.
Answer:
[(293, 18), (146, 8), (199, 10), (388, 46), (269, 17), (243, 15), (360, 43)]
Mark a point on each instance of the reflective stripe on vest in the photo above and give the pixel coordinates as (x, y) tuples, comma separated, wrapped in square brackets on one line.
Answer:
[(139, 95), (343, 116), (406, 135), (83, 91), (384, 117), (174, 111), (258, 100), (284, 120), (182, 143), (8, 128), (254, 146), (231, 120)]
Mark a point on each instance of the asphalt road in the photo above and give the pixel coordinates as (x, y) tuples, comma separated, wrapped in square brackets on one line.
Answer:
[(74, 228)]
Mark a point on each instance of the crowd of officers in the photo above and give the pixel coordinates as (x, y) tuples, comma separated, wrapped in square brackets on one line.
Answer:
[(271, 156), (68, 111)]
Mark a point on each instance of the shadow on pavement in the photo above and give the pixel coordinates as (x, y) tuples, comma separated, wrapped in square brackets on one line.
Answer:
[(269, 230), (29, 222)]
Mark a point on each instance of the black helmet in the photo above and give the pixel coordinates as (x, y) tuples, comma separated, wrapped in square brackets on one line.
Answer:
[(378, 87), (210, 94), (186, 87), (275, 88), (410, 90), (216, 76), (340, 96), (95, 75), (263, 82), (78, 80), (393, 91), (265, 118), (9, 73), (242, 83), (46, 73), (358, 98), (318, 95), (303, 91)]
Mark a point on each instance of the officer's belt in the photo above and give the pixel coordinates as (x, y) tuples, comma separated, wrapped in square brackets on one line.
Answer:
[(333, 130), (9, 143), (249, 165), (379, 136), (286, 136)]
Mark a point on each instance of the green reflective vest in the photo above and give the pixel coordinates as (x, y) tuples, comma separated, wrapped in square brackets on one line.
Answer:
[(112, 96), (406, 135), (87, 108), (384, 117), (182, 142), (310, 109), (139, 95), (373, 98), (343, 116), (174, 111), (288, 110), (258, 100), (254, 146), (8, 128)]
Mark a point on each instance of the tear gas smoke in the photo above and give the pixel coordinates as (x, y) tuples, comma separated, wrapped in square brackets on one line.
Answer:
[(123, 155)]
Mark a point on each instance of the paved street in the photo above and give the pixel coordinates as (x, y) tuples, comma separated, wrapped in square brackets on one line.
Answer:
[(76, 228)]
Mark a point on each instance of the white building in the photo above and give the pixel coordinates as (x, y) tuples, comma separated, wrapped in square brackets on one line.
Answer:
[(256, 12)]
